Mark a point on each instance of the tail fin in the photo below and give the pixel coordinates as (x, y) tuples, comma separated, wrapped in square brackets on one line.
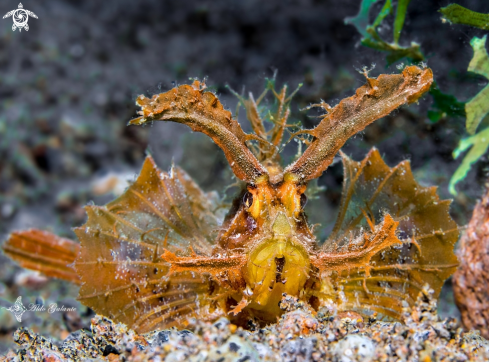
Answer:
[(45, 252)]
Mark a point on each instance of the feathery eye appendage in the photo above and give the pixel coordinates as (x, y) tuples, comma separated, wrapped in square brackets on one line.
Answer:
[(163, 256)]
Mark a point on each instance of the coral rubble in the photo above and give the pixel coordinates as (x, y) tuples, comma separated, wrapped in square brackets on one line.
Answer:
[(299, 335)]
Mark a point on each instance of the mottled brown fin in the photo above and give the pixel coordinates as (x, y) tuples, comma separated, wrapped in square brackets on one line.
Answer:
[(202, 112), (397, 272), (360, 250), (45, 252), (226, 269), (120, 265), (376, 99)]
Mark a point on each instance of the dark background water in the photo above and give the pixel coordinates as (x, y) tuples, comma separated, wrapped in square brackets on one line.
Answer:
[(67, 90)]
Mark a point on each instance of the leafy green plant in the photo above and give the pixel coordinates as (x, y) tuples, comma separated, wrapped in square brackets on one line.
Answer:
[(457, 14), (476, 109), (478, 145), (371, 37), (444, 105)]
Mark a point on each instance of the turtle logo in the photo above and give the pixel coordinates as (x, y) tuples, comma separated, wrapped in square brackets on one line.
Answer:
[(20, 17), (17, 309)]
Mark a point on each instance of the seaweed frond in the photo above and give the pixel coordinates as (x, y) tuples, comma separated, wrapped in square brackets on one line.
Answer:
[(371, 37), (476, 109)]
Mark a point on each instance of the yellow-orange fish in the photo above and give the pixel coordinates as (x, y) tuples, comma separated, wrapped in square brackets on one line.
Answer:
[(159, 255)]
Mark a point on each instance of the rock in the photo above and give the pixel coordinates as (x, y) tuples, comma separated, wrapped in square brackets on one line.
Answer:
[(353, 346), (236, 349), (471, 280)]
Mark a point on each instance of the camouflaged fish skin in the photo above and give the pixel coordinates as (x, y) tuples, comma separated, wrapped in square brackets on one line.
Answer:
[(158, 256)]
